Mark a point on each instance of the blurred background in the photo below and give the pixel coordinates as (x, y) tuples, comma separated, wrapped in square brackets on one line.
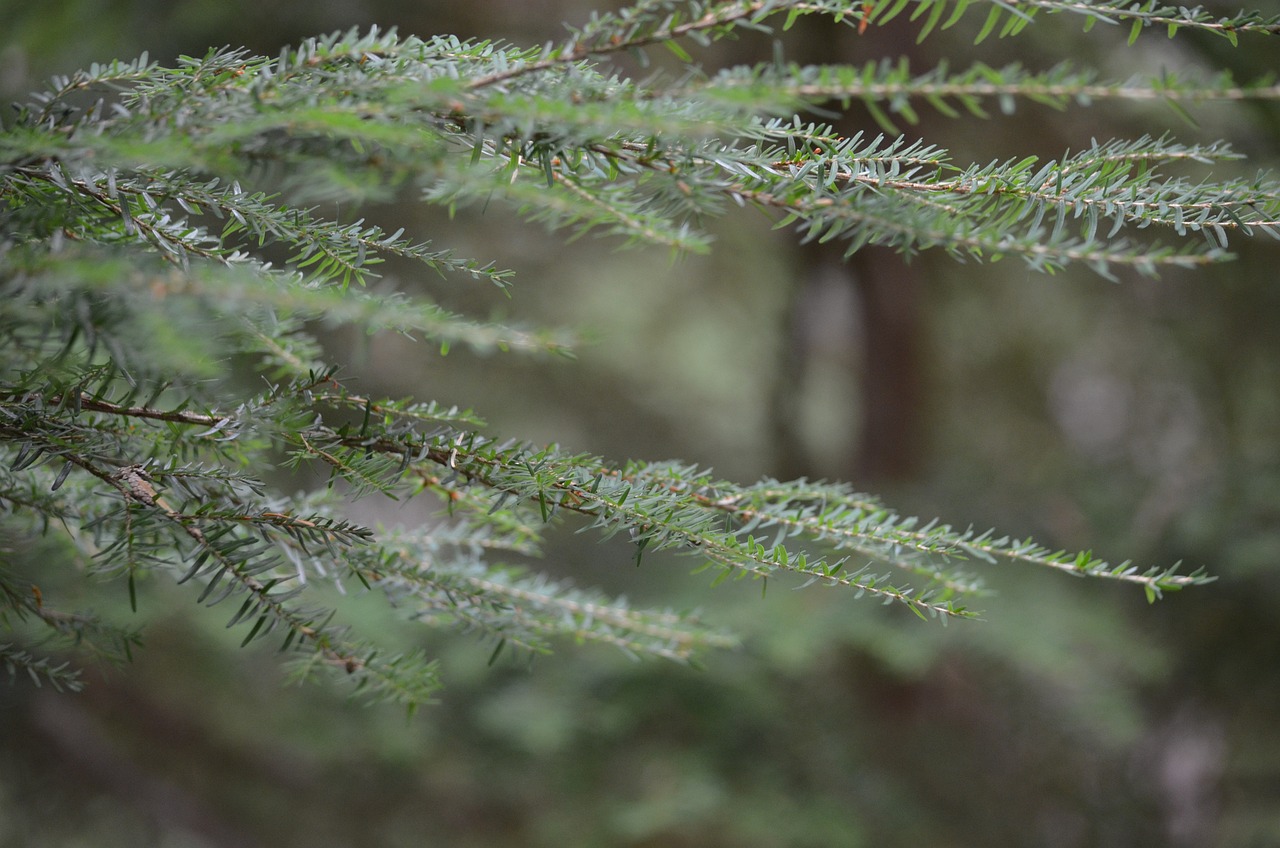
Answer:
[(1138, 419)]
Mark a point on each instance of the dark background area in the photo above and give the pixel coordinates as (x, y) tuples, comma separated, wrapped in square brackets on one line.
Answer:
[(1138, 419)]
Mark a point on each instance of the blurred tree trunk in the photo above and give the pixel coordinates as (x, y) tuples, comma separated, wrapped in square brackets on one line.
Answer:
[(884, 321), (889, 293)]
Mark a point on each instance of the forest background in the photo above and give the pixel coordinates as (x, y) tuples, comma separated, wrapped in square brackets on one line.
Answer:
[(1137, 418)]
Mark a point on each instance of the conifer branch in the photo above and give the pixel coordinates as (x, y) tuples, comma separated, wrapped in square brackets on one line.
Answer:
[(137, 240), (39, 669), (953, 93)]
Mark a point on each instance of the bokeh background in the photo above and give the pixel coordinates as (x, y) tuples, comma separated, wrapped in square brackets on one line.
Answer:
[(1138, 419)]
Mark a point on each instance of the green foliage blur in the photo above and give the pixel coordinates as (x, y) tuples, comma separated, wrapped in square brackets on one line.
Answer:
[(1139, 418)]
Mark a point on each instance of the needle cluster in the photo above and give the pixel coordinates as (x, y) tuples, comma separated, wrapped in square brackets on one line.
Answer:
[(157, 222)]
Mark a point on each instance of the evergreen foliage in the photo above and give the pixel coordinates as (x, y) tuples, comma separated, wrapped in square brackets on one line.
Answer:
[(173, 239)]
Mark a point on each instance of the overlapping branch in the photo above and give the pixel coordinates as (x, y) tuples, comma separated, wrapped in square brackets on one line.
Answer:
[(137, 237)]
